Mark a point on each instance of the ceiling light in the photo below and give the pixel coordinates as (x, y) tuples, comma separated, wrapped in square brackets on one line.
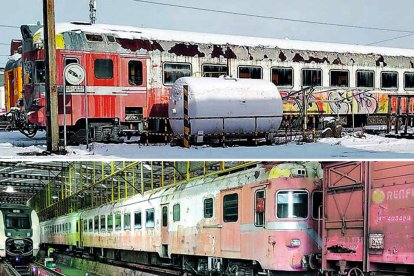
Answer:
[(148, 167), (10, 189)]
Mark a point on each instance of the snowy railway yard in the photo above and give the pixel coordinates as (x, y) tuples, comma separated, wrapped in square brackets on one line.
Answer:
[(16, 145)]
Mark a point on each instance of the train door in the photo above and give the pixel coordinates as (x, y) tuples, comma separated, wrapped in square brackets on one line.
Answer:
[(79, 233), (133, 82), (230, 221), (164, 230), (344, 197)]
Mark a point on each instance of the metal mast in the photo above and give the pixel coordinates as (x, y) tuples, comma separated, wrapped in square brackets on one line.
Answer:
[(92, 11)]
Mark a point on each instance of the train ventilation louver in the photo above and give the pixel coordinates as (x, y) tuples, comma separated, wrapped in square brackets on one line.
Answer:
[(19, 247)]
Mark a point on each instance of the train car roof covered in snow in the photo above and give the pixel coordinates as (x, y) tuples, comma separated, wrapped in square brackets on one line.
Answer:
[(128, 32)]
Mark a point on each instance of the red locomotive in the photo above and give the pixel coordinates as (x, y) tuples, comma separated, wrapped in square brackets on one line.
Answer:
[(369, 218)]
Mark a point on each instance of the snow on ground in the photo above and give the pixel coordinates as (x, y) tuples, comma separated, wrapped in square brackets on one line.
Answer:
[(14, 145)]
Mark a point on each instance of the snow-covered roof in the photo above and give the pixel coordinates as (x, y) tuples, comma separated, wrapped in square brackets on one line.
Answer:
[(129, 32)]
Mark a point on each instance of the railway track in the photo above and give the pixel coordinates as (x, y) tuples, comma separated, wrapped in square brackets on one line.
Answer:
[(16, 270)]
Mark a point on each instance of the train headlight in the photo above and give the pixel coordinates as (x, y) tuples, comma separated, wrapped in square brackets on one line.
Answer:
[(28, 234), (294, 243), (8, 234)]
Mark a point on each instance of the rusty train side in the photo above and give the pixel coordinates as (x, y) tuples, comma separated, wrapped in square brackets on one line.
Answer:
[(368, 218)]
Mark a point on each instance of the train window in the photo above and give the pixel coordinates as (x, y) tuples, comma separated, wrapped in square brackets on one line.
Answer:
[(111, 38), (214, 70), (389, 80), (135, 72), (174, 71), (250, 72), (312, 77), (339, 78), (117, 221), (231, 207), (94, 37), (70, 227), (70, 61), (77, 227), (22, 222), (292, 204), (259, 208), (96, 224), (164, 216), (104, 68), (90, 225), (85, 225), (40, 73), (282, 76), (176, 212), (110, 226), (102, 228), (208, 208), (149, 217), (409, 80), (137, 220), (127, 221), (317, 198), (365, 78)]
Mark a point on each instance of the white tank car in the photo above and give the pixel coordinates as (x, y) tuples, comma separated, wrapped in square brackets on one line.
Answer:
[(225, 97)]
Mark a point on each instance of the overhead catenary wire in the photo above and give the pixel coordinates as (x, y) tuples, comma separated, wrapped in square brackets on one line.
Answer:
[(277, 18), (9, 26), (390, 39)]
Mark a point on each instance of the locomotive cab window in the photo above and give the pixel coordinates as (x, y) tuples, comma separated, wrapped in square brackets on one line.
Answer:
[(40, 71), (339, 78), (250, 72), (174, 71), (164, 216), (149, 218), (259, 208), (137, 220), (135, 72), (208, 208), (292, 204), (102, 223), (176, 212), (110, 227), (409, 80), (104, 68), (118, 221), (317, 198), (282, 76), (94, 37), (365, 78), (127, 221), (389, 80), (214, 70), (312, 77), (231, 207), (20, 221)]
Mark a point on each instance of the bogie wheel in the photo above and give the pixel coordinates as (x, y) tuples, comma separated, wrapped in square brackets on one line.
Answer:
[(355, 271)]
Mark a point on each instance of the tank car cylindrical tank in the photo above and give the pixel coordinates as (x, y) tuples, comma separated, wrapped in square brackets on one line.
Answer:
[(246, 105)]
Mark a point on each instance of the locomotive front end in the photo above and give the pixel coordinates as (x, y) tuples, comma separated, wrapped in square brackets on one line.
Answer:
[(19, 226)]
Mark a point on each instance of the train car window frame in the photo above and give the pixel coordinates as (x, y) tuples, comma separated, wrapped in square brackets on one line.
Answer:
[(367, 71), (311, 69), (127, 222), (110, 38), (313, 206), (389, 88), (164, 216), (230, 217), (135, 79), (259, 217), (110, 223), (208, 215), (174, 63), (96, 224), (250, 66), (281, 67), (293, 191), (100, 63), (342, 71), (405, 80), (91, 37), (36, 72), (118, 221), (102, 228), (176, 212), (203, 71), (136, 225), (150, 214)]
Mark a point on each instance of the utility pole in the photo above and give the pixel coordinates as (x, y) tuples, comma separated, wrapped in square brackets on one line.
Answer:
[(52, 127), (92, 11)]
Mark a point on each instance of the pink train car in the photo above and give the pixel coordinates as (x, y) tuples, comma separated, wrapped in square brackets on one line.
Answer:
[(368, 218)]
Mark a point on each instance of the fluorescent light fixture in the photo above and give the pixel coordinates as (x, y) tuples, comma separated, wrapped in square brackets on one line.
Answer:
[(10, 189), (148, 167), (55, 197)]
